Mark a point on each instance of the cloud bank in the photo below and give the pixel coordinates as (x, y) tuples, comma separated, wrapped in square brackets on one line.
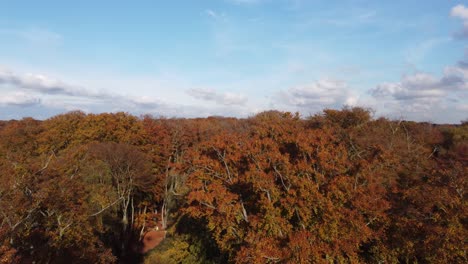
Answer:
[(29, 93), (426, 96), (36, 89)]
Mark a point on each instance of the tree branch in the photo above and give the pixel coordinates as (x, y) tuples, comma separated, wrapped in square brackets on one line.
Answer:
[(105, 208)]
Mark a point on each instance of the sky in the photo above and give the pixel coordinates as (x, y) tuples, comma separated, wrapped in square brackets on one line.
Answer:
[(403, 59)]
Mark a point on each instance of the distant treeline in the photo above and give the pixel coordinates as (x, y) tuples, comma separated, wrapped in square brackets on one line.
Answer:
[(336, 187)]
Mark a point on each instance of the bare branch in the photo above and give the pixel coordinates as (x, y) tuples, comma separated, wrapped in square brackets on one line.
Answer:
[(105, 208)]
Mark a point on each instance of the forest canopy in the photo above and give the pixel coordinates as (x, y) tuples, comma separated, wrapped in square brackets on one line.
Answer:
[(336, 187)]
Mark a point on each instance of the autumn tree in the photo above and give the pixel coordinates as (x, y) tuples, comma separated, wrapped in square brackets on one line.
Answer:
[(130, 176)]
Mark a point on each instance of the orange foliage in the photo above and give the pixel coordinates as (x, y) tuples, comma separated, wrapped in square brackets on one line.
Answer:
[(338, 187)]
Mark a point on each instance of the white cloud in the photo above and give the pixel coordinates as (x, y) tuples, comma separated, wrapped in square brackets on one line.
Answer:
[(423, 85), (43, 84), (146, 102), (460, 11), (19, 99), (57, 94), (46, 96), (425, 97), (420, 85), (218, 98), (317, 95)]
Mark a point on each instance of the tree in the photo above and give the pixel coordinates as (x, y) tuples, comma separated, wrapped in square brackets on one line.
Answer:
[(131, 180)]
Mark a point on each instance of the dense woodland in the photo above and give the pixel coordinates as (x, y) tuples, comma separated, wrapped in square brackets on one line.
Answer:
[(336, 187)]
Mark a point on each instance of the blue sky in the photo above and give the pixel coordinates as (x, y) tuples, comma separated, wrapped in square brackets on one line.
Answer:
[(405, 59)]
